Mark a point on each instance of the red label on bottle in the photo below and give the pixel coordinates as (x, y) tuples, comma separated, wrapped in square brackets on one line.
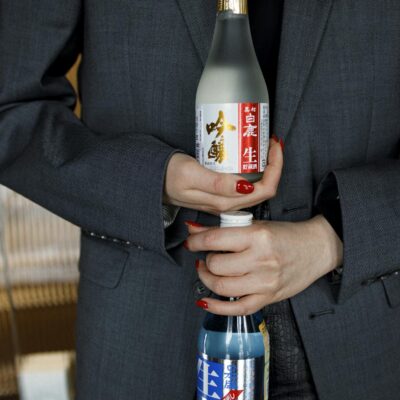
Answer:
[(233, 395), (249, 137)]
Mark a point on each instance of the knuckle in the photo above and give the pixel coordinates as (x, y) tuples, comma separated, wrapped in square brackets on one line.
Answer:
[(212, 263), (218, 184), (243, 309), (274, 294), (275, 263), (219, 286), (185, 172), (221, 204), (278, 295), (210, 238), (275, 286), (262, 235), (271, 190)]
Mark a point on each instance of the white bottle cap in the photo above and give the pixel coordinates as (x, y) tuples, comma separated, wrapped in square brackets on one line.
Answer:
[(236, 218)]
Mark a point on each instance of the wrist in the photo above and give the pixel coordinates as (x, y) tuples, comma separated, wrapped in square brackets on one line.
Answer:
[(330, 244)]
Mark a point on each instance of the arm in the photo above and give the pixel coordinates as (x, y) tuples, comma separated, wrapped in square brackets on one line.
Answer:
[(272, 261), (112, 185), (47, 154), (370, 208)]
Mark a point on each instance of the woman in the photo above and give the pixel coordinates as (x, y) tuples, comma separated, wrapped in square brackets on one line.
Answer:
[(336, 109)]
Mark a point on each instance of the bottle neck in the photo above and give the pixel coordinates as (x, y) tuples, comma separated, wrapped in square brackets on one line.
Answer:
[(236, 6), (232, 43), (234, 324)]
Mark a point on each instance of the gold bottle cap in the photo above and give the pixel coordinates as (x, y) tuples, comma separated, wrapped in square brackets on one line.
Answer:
[(236, 6)]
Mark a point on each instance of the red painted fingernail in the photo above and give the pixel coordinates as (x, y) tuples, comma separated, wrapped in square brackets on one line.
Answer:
[(194, 224), (282, 143), (186, 245), (244, 187), (202, 304), (197, 264), (275, 138)]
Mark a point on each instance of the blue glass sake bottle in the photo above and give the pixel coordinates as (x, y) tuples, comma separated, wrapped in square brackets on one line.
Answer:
[(233, 351)]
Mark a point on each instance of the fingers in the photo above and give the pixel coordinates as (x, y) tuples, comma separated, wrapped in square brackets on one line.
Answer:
[(245, 306), (263, 190), (219, 184), (273, 172), (187, 183), (232, 264), (218, 204), (208, 201), (190, 185), (194, 227), (230, 274), (217, 239), (267, 187), (229, 286)]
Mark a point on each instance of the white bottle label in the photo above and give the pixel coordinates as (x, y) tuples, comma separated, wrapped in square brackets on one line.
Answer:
[(233, 137)]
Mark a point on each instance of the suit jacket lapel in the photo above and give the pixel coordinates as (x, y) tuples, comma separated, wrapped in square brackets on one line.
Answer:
[(200, 19), (302, 30)]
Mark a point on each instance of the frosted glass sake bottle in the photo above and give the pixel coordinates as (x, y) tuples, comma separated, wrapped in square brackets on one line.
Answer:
[(232, 102)]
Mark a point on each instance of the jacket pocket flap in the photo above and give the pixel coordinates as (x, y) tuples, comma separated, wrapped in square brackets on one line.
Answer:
[(102, 262)]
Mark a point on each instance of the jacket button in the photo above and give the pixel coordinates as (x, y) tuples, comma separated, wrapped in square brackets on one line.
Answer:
[(200, 290)]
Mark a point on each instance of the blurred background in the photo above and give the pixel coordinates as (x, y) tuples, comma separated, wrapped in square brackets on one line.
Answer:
[(38, 291)]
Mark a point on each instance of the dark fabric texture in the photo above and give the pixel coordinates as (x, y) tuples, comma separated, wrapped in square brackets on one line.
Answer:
[(290, 374), (337, 108), (328, 203), (95, 176), (368, 234), (266, 25)]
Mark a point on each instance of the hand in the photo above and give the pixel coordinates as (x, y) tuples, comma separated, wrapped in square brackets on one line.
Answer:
[(190, 185), (267, 262)]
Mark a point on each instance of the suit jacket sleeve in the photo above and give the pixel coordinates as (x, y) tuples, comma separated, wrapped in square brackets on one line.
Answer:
[(370, 211), (109, 184)]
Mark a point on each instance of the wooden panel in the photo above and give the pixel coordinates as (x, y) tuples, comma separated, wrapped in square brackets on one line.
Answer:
[(73, 78), (45, 313)]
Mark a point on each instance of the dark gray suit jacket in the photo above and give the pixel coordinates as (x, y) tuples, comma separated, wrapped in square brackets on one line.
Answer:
[(338, 109)]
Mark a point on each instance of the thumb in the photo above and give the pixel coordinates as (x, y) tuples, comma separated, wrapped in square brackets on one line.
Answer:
[(273, 172)]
